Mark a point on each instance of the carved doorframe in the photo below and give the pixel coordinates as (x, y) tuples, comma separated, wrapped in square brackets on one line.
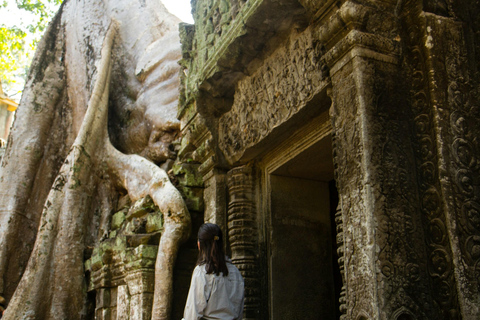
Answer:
[(307, 136)]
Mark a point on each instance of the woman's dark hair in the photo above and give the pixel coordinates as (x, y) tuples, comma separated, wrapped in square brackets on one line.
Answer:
[(211, 249)]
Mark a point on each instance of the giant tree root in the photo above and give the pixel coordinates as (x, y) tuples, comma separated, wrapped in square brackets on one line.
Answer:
[(53, 285), (141, 177)]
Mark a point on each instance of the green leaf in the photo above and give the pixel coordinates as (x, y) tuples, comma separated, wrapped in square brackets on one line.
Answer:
[(18, 42)]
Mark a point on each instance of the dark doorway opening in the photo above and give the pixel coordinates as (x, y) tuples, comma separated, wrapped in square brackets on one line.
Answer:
[(305, 280)]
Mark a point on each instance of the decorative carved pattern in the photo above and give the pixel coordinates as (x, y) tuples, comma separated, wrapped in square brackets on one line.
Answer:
[(242, 234), (216, 16), (268, 99), (348, 151), (401, 252), (434, 219), (373, 158), (459, 125), (340, 238), (341, 260), (216, 23)]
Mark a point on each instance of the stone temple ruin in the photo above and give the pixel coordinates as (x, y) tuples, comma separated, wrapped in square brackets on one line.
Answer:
[(336, 144)]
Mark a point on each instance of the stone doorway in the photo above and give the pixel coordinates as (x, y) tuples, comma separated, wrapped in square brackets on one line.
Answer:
[(303, 273)]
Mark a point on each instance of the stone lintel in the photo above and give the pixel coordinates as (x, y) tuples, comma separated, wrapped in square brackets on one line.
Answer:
[(359, 51), (360, 44)]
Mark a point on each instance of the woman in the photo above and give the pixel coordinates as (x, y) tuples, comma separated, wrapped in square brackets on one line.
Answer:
[(217, 288)]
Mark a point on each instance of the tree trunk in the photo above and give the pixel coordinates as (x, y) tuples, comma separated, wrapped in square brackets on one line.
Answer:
[(143, 95)]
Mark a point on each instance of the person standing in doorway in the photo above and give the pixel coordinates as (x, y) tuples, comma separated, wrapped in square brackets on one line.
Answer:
[(217, 287)]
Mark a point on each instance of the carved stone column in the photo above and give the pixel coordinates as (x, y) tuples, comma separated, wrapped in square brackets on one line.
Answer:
[(242, 234), (445, 97), (383, 241), (215, 197)]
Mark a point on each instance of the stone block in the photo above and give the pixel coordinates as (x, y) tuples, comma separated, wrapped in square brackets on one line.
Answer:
[(113, 297), (123, 303), (88, 264), (98, 314), (141, 207), (96, 260), (146, 251), (113, 313), (118, 218), (103, 298), (141, 306), (109, 313), (135, 261), (120, 244), (186, 147), (188, 113), (188, 175), (136, 240), (154, 222), (193, 198), (141, 281)]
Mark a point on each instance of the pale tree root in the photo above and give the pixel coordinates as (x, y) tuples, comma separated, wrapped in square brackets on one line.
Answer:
[(53, 285), (141, 177)]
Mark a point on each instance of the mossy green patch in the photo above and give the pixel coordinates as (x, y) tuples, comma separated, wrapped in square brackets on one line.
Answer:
[(154, 222), (118, 219)]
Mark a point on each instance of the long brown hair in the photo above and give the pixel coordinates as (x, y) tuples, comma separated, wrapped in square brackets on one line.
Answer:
[(211, 252)]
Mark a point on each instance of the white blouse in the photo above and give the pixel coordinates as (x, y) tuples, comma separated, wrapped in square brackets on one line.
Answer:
[(215, 297)]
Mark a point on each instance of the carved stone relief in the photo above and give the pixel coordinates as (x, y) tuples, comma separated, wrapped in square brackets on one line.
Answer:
[(440, 264), (374, 158), (456, 120), (279, 89), (406, 162), (348, 157)]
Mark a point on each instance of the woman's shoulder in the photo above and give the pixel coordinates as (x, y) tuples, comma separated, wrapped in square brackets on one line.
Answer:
[(233, 271), (199, 270)]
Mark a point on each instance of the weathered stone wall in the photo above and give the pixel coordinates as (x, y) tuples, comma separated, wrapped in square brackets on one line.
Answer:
[(374, 158), (444, 82), (279, 89), (121, 268), (402, 77)]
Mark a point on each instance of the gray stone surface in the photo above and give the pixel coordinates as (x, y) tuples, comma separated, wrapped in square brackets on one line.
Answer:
[(400, 82)]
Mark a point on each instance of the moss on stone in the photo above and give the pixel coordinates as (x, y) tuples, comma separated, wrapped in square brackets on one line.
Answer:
[(193, 197), (141, 207), (154, 222), (118, 219), (188, 174)]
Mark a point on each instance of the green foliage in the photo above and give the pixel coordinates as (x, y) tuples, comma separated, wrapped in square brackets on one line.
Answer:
[(40, 9), (18, 41), (14, 57)]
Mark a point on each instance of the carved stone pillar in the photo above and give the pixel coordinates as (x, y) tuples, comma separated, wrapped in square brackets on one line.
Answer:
[(140, 287), (384, 256), (215, 197), (242, 234), (446, 129)]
